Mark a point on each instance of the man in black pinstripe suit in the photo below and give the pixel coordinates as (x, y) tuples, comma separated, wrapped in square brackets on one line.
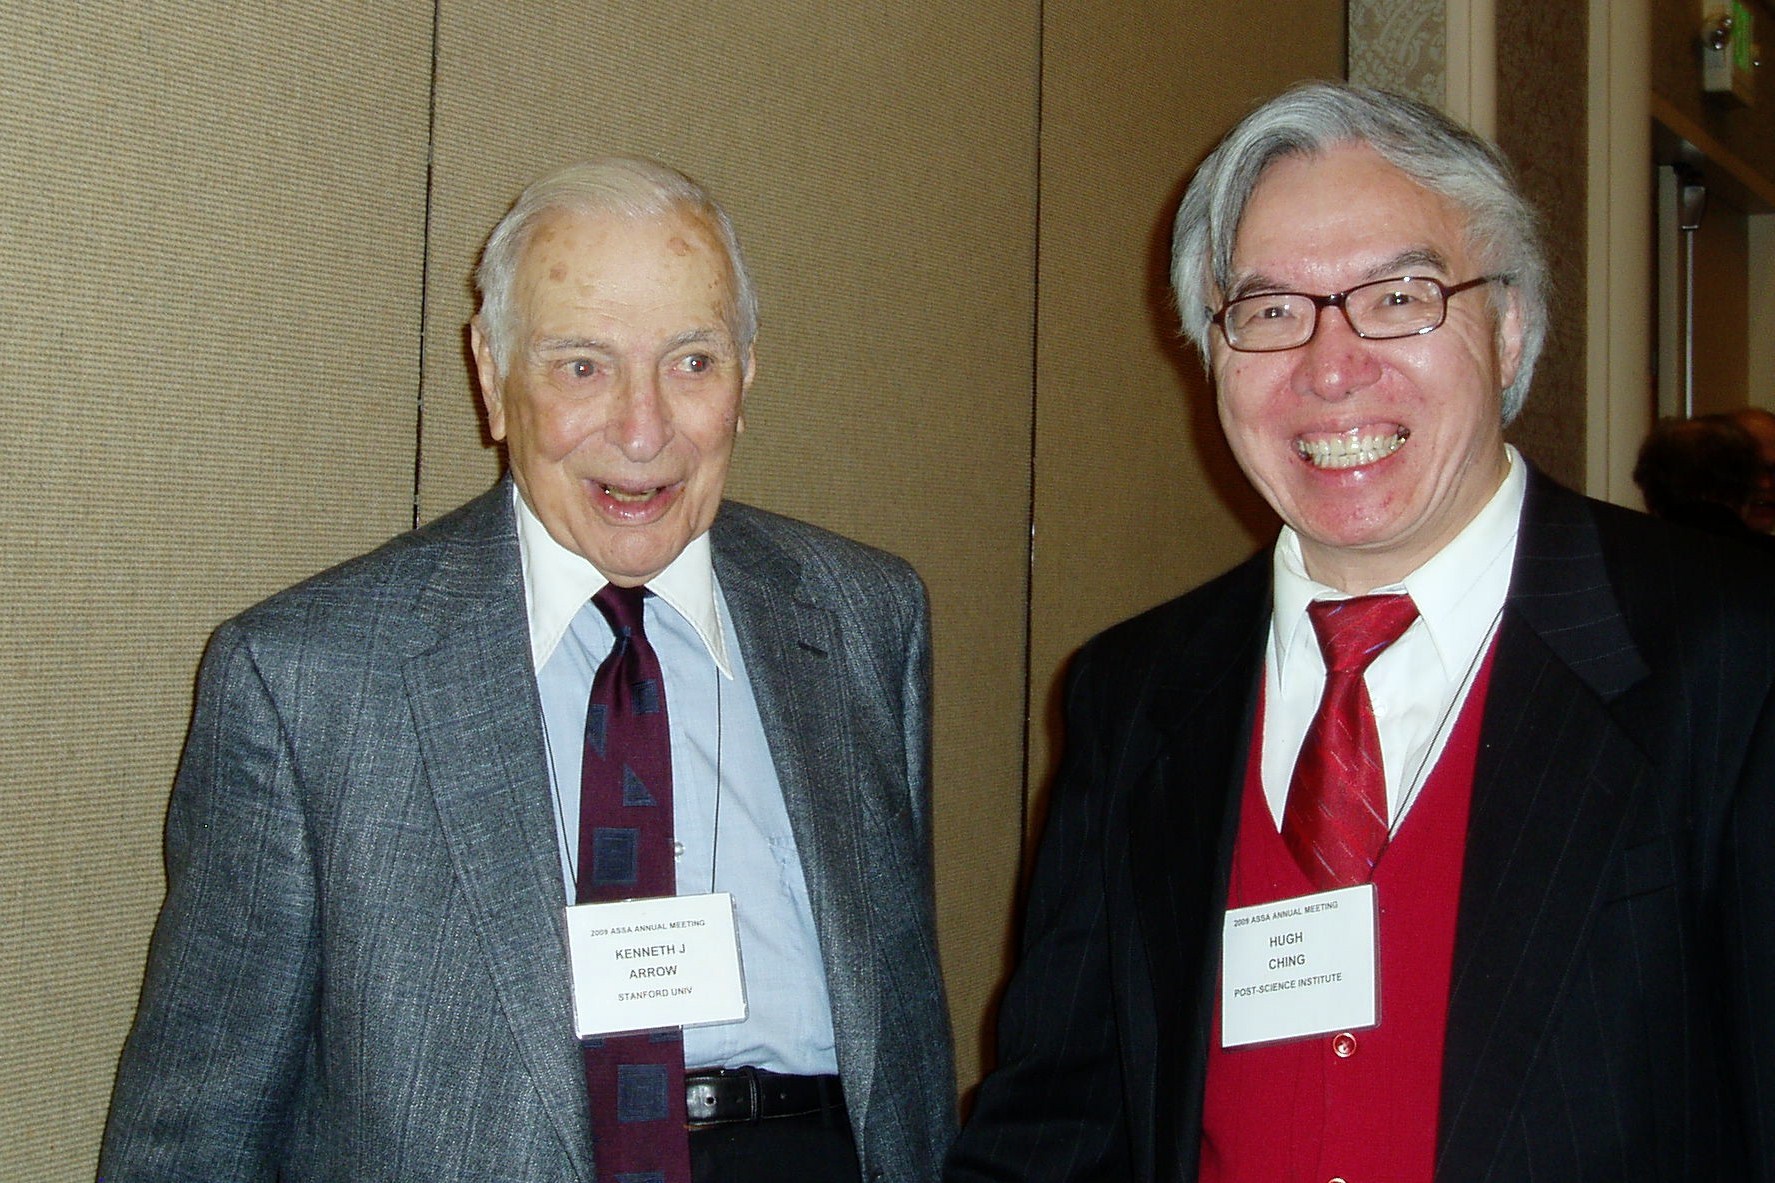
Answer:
[(1582, 705)]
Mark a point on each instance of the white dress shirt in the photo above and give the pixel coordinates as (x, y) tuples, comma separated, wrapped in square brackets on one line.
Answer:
[(1419, 683)]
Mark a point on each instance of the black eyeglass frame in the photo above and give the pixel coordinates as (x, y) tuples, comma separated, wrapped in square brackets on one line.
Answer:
[(1338, 301)]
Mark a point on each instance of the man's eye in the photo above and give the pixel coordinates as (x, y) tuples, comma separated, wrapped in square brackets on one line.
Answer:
[(698, 363), (1398, 298), (581, 368), (1262, 308)]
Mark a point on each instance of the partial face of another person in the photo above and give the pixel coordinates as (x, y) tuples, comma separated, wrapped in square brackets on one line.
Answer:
[(1376, 452), (624, 388), (1759, 512)]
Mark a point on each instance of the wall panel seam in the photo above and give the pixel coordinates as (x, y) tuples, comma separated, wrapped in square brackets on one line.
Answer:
[(1030, 714), (431, 141)]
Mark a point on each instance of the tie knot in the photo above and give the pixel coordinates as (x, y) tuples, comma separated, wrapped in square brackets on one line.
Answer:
[(1353, 632), (621, 606)]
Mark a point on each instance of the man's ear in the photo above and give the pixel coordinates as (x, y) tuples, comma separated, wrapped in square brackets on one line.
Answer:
[(488, 376), (739, 425), (1509, 343)]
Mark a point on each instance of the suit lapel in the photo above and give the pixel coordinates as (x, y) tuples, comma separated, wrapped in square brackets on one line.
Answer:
[(1553, 790), (476, 711), (788, 640), (1200, 702)]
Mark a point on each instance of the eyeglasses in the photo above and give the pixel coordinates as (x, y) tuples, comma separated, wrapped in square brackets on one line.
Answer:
[(1376, 311)]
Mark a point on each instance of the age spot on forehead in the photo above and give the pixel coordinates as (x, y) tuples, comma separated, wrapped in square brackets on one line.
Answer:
[(558, 272), (677, 245)]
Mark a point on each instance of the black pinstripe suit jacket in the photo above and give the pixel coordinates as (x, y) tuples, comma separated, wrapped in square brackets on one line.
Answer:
[(1612, 1012)]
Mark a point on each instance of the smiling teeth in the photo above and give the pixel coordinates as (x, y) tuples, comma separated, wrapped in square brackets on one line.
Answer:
[(619, 495), (1346, 451)]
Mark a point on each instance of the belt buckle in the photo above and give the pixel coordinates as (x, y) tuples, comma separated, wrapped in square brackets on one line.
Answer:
[(709, 1097)]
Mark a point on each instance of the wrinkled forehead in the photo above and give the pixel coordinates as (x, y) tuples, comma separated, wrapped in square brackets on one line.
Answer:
[(1344, 206), (679, 247), (593, 237)]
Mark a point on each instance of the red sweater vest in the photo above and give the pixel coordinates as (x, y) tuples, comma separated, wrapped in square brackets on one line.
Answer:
[(1360, 1105)]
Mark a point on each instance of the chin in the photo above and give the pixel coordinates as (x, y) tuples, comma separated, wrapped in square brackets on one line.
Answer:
[(638, 566)]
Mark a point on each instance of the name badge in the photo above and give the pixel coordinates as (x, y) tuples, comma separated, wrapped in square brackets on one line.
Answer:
[(1299, 967), (642, 965)]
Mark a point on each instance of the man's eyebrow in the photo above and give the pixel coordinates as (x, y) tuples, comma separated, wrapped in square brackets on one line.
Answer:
[(700, 336), (1410, 261), (570, 345), (1251, 285)]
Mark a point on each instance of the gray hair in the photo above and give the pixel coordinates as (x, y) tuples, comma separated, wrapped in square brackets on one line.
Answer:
[(1434, 151), (624, 186)]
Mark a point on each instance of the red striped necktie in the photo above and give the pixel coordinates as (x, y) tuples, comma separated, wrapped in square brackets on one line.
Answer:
[(1335, 822)]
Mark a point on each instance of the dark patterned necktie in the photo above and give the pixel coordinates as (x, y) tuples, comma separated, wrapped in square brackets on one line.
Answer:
[(1335, 821), (635, 1082)]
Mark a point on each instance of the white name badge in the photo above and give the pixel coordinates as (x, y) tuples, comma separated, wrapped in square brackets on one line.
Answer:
[(1299, 967), (642, 965)]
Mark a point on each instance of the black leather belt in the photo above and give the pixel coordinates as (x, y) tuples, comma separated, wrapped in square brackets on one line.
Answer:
[(715, 1095)]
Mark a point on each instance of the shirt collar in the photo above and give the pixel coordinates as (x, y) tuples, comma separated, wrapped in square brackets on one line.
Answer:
[(558, 582), (1459, 590)]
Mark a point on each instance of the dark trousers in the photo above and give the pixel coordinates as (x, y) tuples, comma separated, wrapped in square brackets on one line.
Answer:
[(811, 1149)]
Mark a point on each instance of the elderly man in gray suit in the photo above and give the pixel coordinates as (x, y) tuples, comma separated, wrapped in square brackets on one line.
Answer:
[(386, 950)]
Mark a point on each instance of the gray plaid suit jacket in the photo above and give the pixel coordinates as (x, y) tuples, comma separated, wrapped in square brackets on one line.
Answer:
[(359, 971), (1612, 1011)]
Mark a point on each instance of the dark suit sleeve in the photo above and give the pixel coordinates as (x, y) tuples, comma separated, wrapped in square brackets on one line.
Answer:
[(1748, 883), (204, 1086), (1053, 1108)]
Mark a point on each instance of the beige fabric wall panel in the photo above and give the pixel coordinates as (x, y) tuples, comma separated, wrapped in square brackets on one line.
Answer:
[(1137, 498), (1543, 75), (879, 161), (212, 221)]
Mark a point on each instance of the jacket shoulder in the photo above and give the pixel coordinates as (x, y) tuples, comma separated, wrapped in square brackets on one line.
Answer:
[(383, 587), (745, 535), (1665, 572), (1211, 615), (1203, 648), (1627, 600)]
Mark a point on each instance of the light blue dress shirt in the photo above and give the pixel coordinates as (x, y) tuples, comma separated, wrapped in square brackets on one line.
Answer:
[(732, 827)]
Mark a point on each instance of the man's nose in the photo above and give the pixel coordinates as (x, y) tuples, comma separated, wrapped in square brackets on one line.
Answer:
[(1335, 363), (641, 421)]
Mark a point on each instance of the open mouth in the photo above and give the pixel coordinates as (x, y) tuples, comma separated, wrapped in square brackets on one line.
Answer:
[(1351, 449), (635, 504), (630, 496)]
